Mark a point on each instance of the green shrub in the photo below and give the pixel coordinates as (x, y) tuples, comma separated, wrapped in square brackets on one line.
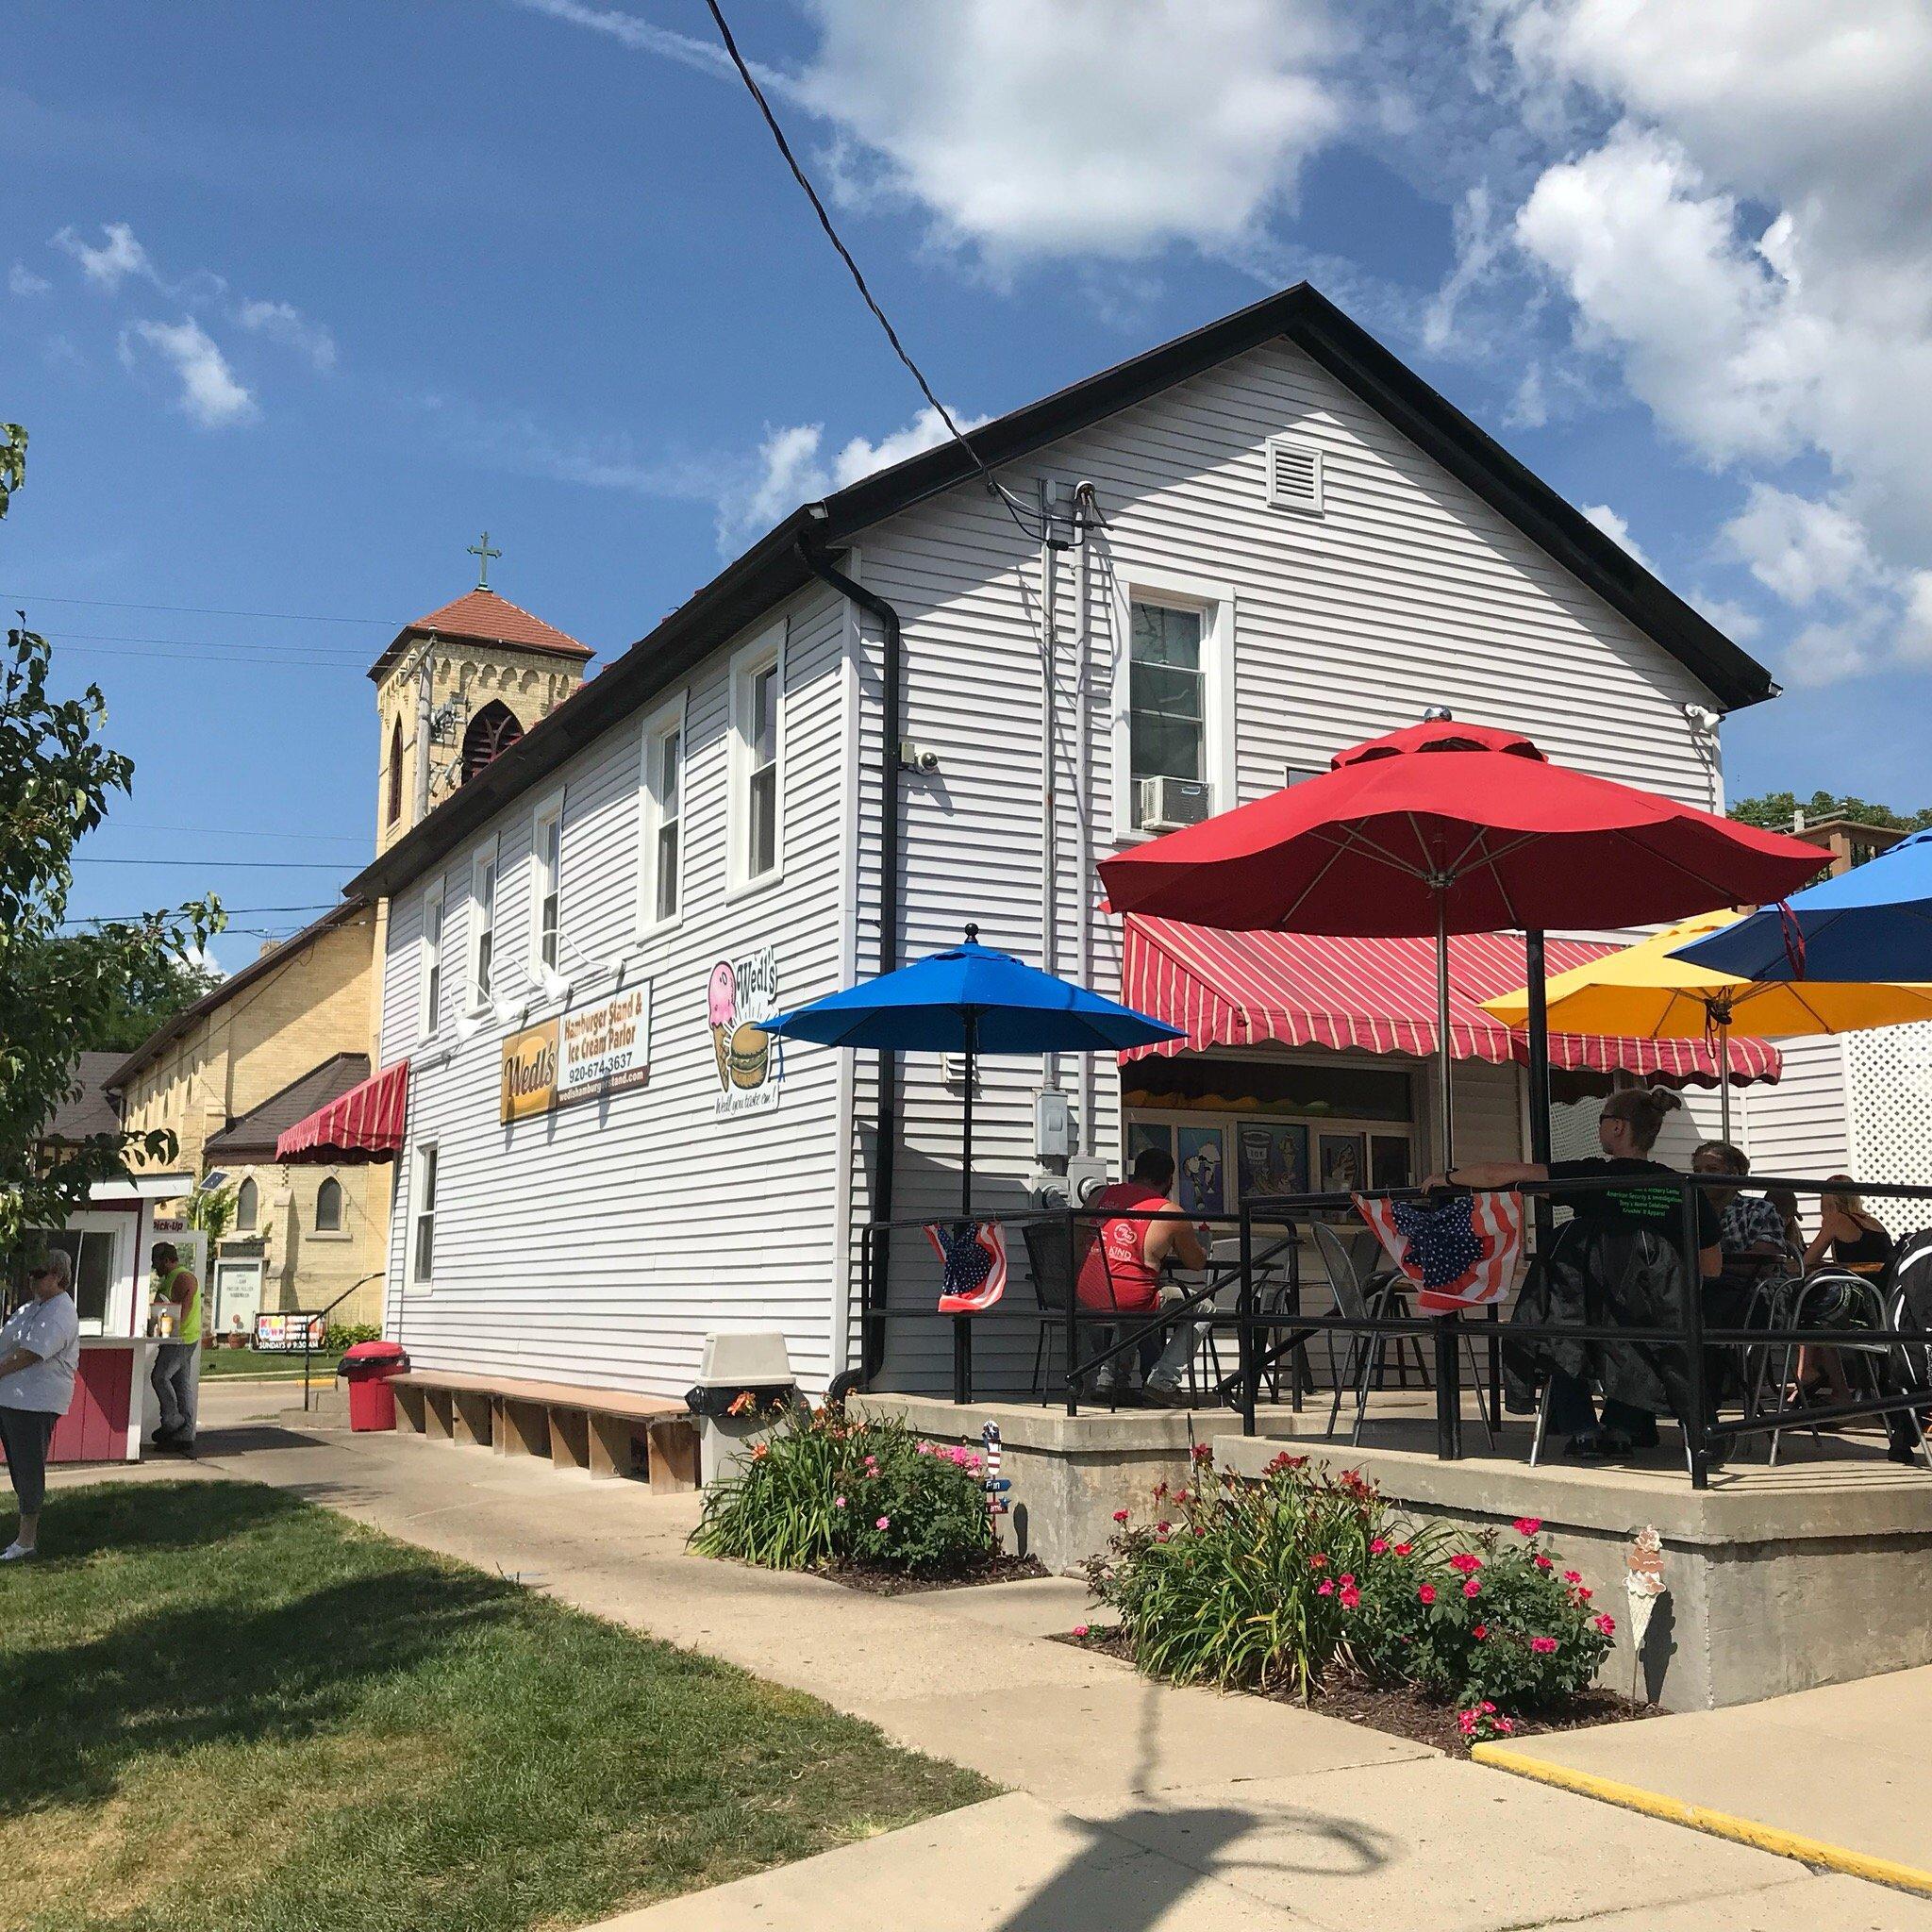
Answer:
[(825, 1489), (1270, 1583), (340, 1335)]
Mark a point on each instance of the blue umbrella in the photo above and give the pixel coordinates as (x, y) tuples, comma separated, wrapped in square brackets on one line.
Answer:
[(1868, 925), (971, 1000)]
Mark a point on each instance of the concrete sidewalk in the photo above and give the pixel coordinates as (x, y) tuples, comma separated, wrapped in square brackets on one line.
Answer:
[(1131, 1807), (1838, 1776)]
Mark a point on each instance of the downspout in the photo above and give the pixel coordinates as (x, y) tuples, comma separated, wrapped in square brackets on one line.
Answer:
[(1085, 1139), (892, 729), (1049, 758)]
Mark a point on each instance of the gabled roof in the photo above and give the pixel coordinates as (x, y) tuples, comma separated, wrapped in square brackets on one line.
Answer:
[(481, 617), (253, 1137), (88, 1109), (777, 565), (164, 1036)]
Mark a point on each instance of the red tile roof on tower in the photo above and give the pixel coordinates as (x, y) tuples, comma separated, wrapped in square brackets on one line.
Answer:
[(482, 617)]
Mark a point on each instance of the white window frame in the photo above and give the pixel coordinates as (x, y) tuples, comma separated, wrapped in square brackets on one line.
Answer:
[(479, 996), (425, 1158), (653, 816), (429, 960), (546, 881), (764, 653), (1215, 602)]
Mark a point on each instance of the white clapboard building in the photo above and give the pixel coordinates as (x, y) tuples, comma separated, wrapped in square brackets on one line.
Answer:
[(923, 701)]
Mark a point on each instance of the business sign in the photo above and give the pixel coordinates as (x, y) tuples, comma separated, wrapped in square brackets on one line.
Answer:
[(583, 1054), (740, 993), (289, 1334)]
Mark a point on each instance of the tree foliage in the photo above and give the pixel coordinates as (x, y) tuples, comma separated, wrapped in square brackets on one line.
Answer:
[(153, 992), (55, 780), (1773, 810)]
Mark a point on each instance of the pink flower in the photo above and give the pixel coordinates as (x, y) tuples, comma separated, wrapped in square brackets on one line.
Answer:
[(1162, 1528), (1471, 1588), (1120, 1515), (1507, 1725), (1489, 1709), (1573, 1577), (1542, 1646), (1346, 1582), (1350, 1598), (1428, 1592), (1379, 1547), (1324, 1588), (1466, 1563), (1543, 1562), (1528, 1526), (838, 1502), (1480, 1632), (1079, 1629), (1318, 1561), (1580, 1595), (1606, 1624), (1465, 1723), (884, 1522), (1404, 1549)]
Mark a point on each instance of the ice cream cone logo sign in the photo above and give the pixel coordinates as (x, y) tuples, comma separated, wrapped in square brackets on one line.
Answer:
[(740, 995)]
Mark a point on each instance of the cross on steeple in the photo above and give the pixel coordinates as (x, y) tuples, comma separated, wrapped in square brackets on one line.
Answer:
[(482, 553)]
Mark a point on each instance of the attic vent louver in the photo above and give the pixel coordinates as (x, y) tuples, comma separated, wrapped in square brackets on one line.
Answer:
[(1294, 477)]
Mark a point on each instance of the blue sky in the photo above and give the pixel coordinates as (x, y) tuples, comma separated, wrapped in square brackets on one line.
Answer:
[(299, 300)]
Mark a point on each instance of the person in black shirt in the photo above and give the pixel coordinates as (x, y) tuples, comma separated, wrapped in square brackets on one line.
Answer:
[(1627, 1129)]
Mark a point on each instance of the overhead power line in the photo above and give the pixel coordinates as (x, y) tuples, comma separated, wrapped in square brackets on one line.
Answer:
[(347, 652), (226, 864), (1006, 496), (240, 832), (12, 598)]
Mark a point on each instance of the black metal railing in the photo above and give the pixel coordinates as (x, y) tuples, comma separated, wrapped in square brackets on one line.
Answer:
[(1269, 1340)]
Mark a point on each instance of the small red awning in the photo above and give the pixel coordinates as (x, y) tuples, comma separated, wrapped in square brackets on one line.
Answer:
[(364, 1123), (1378, 995)]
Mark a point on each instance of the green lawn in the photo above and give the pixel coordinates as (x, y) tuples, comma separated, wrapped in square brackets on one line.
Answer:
[(244, 1362), (228, 1710)]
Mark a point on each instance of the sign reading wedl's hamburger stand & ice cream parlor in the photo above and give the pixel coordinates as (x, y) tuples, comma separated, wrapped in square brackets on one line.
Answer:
[(740, 995)]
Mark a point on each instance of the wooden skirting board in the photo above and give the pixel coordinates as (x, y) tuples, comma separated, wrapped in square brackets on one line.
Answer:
[(601, 1432)]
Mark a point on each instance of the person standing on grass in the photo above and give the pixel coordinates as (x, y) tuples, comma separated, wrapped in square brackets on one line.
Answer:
[(174, 1377), (40, 1351)]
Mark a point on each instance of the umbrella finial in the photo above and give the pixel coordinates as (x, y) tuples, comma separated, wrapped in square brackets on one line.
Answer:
[(1439, 714), (972, 933)]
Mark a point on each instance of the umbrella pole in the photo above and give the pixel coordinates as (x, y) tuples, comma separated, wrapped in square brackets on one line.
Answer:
[(1448, 1365), (1723, 1080), (962, 1327)]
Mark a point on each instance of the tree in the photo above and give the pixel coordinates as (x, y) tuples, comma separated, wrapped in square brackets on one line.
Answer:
[(154, 992), (1773, 810), (55, 778)]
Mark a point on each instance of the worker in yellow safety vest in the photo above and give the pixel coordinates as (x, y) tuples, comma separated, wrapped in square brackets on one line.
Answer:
[(175, 1378)]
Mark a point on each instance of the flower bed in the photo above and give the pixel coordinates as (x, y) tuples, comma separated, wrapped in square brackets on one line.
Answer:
[(1301, 1581), (828, 1493)]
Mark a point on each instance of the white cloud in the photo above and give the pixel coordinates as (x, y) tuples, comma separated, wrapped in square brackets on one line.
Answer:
[(280, 322), (118, 256), (1613, 526), (1738, 623), (210, 393), (791, 468), (21, 280), (1752, 245), (1800, 547)]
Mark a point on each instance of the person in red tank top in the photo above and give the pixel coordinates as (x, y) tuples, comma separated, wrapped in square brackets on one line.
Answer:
[(1122, 1264)]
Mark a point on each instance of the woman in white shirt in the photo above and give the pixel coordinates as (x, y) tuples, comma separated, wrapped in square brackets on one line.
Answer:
[(40, 1351)]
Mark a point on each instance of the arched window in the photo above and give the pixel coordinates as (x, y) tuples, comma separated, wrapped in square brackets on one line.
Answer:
[(328, 1206), (395, 770), (491, 732), (247, 1205)]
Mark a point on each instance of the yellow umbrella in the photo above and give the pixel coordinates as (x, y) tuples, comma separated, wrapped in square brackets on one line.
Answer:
[(1641, 992)]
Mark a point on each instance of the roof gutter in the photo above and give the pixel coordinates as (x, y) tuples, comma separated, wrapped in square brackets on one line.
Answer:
[(877, 1279)]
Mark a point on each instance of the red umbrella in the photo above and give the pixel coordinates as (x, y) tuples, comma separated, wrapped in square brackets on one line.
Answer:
[(1447, 827)]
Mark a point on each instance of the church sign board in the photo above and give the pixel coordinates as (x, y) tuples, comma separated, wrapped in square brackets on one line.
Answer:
[(583, 1054)]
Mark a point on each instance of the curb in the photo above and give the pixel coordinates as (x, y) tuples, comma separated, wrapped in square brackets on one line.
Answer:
[(1746, 1831)]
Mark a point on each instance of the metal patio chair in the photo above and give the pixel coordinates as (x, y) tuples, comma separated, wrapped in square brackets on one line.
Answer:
[(1384, 1298)]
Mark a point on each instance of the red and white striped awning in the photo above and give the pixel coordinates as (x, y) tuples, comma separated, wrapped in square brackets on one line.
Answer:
[(1378, 995), (365, 1123)]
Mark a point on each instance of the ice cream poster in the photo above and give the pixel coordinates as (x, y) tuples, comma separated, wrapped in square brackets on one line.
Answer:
[(750, 1062)]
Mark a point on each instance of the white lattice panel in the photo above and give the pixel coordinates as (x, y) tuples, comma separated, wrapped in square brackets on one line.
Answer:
[(1890, 1081)]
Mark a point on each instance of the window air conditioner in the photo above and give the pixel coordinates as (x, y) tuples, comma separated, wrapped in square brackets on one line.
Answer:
[(1167, 804)]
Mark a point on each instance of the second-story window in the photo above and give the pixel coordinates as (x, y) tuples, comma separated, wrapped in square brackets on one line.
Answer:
[(431, 999), (482, 923), (660, 884), (1167, 714), (546, 852), (757, 748)]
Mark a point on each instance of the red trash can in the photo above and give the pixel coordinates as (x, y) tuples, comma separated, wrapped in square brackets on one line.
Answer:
[(366, 1368)]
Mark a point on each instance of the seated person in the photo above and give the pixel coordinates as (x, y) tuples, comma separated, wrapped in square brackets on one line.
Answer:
[(1627, 1130), (1852, 1235), (1785, 1202), (1121, 1267), (1754, 1242)]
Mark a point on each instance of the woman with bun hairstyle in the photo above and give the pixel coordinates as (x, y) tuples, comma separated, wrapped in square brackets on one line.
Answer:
[(1627, 1130)]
